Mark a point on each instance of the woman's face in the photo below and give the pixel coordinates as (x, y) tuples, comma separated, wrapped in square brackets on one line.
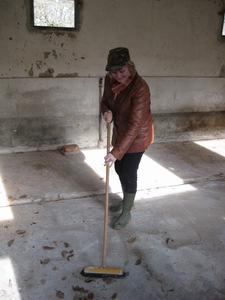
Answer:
[(121, 75)]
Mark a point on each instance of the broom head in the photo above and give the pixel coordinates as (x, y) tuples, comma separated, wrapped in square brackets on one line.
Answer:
[(93, 271)]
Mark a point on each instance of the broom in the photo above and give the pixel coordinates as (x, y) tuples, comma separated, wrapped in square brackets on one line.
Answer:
[(103, 270)]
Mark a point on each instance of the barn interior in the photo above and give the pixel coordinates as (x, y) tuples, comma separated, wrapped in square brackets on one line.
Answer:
[(52, 200)]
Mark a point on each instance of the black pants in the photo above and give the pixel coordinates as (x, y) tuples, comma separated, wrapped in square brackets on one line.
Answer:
[(126, 168)]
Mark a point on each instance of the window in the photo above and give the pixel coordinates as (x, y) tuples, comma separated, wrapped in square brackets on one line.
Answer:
[(223, 29), (55, 14)]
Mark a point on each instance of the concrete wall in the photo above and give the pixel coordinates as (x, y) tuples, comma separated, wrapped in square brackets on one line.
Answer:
[(49, 90), (48, 111)]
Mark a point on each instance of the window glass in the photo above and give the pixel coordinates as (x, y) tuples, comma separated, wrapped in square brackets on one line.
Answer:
[(54, 13)]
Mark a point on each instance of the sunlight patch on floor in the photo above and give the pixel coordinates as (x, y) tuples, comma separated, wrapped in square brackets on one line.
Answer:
[(5, 211), (217, 146), (8, 284), (150, 175), (153, 194), (94, 158)]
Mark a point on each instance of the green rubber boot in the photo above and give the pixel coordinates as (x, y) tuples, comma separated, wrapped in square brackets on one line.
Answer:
[(125, 216), (119, 206), (116, 208)]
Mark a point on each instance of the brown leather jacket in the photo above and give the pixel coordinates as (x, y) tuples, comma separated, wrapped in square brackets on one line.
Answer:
[(132, 120)]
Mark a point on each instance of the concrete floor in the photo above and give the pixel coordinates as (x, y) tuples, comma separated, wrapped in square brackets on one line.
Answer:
[(51, 222)]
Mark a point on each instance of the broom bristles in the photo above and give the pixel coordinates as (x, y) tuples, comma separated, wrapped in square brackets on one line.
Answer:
[(101, 271)]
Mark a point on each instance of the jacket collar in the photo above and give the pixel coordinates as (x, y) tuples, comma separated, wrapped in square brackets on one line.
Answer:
[(117, 87)]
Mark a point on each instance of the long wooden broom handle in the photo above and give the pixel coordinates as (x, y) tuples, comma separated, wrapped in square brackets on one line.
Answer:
[(106, 216)]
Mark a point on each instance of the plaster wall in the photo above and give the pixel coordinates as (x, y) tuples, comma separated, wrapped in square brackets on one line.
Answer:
[(49, 79)]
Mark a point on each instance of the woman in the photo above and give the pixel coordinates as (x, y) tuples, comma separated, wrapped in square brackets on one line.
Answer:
[(126, 103)]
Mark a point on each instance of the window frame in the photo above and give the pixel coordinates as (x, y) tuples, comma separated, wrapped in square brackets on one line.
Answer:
[(76, 21)]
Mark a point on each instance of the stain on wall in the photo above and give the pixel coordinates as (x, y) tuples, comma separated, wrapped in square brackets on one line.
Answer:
[(48, 73), (31, 72), (46, 54), (222, 71), (54, 54), (69, 75)]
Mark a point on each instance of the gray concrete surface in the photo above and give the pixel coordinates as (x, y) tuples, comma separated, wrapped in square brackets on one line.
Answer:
[(51, 218), (48, 112), (49, 90)]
